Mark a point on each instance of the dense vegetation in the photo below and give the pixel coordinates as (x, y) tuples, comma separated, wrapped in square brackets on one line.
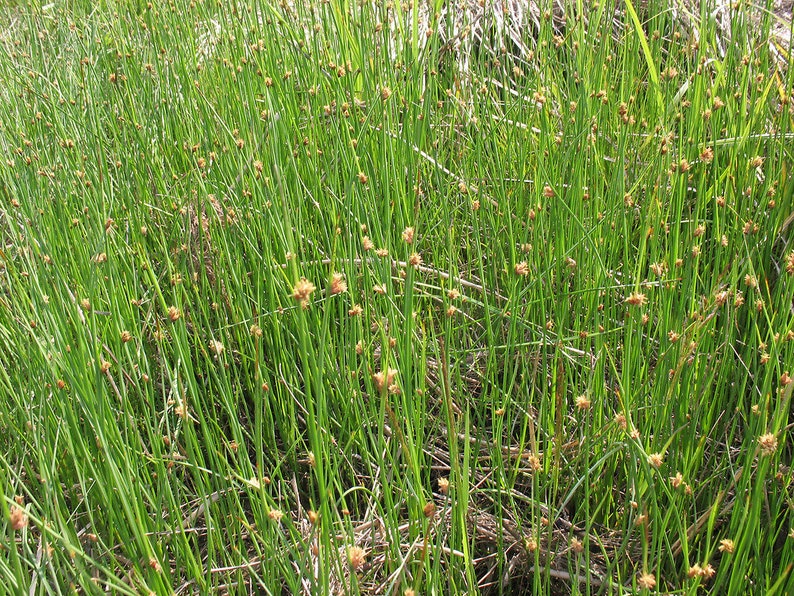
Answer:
[(345, 297)]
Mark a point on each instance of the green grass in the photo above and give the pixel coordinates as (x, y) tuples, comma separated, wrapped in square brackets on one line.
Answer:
[(559, 361)]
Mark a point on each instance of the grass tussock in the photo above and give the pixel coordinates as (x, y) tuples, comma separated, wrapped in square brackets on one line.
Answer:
[(341, 297)]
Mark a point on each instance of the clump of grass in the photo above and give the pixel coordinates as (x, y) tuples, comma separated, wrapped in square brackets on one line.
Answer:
[(290, 305)]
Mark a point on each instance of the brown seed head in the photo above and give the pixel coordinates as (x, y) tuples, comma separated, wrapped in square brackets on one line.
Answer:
[(18, 518), (727, 545), (694, 571), (646, 581), (521, 268), (429, 509), (636, 299), (384, 379), (790, 263), (531, 545), (302, 292), (768, 444), (656, 459), (338, 284), (577, 546), (357, 557)]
